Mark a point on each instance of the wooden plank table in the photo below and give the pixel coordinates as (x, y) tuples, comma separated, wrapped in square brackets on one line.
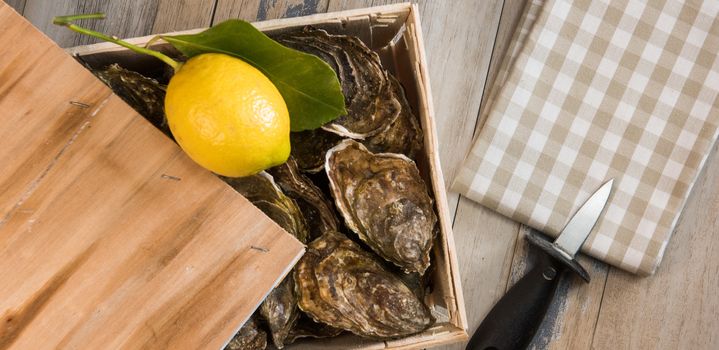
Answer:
[(676, 308)]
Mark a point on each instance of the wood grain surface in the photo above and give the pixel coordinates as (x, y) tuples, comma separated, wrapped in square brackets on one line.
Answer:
[(677, 308), (104, 244)]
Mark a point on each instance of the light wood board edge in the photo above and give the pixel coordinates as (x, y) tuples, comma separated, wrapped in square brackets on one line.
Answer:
[(285, 273)]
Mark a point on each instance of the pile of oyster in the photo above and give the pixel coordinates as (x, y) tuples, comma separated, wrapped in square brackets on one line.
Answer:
[(362, 273)]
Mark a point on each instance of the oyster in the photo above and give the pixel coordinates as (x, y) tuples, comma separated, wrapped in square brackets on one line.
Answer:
[(416, 282), (263, 192), (308, 328), (383, 199), (279, 309), (341, 285), (309, 148), (371, 104), (404, 135), (144, 94), (249, 337), (317, 210)]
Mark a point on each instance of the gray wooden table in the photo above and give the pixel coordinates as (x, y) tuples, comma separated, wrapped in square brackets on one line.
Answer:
[(678, 308)]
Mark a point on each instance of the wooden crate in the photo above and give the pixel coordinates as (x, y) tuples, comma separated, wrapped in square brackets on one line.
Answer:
[(394, 32)]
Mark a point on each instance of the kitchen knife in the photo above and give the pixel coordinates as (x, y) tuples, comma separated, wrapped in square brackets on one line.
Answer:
[(513, 321)]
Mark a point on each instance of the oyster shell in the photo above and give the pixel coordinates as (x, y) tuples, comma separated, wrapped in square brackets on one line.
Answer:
[(316, 208), (371, 104), (383, 199), (144, 94), (249, 337), (341, 285), (309, 148), (279, 309), (263, 192), (404, 135), (306, 327)]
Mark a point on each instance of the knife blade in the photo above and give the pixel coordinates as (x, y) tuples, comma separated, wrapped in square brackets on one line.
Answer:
[(514, 320)]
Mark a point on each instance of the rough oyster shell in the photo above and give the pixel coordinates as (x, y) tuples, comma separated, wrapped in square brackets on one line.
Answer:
[(341, 285), (249, 337), (383, 199), (144, 94), (309, 148), (371, 105), (316, 208), (404, 135), (263, 192), (306, 327), (279, 309)]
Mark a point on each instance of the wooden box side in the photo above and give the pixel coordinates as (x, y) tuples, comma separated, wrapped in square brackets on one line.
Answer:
[(394, 32)]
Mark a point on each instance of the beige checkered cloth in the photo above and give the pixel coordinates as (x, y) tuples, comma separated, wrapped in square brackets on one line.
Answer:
[(593, 90)]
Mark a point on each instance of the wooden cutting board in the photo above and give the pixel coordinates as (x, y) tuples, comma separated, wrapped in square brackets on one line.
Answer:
[(110, 237)]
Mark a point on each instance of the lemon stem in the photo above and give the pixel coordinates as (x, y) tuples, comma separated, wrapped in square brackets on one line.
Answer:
[(67, 21)]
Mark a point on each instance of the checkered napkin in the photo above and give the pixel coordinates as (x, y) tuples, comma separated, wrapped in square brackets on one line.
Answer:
[(593, 90)]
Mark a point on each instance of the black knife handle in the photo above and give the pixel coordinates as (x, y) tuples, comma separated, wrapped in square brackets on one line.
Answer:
[(513, 321)]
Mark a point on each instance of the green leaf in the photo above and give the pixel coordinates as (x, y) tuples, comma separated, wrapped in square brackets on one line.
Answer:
[(308, 85)]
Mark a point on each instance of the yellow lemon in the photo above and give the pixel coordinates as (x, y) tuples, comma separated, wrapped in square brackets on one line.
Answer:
[(227, 115)]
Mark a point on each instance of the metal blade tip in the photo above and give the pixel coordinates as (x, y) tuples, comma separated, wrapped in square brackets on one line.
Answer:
[(581, 224)]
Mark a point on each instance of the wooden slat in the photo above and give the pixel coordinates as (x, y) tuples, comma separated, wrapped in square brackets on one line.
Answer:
[(485, 240), (240, 9), (339, 5), (511, 14), (259, 10), (18, 5), (125, 18), (172, 15), (100, 248)]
